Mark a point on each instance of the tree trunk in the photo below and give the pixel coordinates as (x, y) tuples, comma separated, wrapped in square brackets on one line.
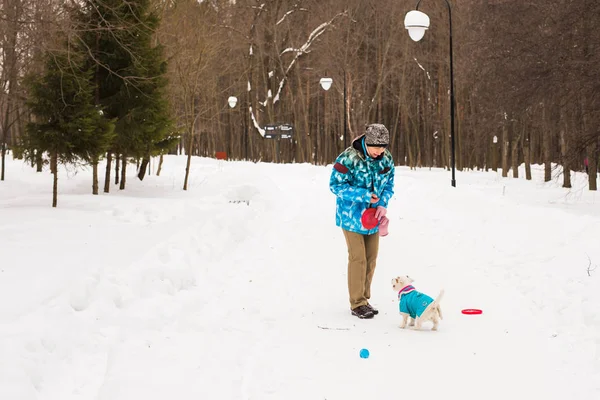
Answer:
[(160, 161), (143, 167), (54, 170), (514, 154), (505, 148), (547, 159), (565, 161), (409, 150), (10, 68), (547, 150), (592, 168), (117, 164), (123, 171), (39, 161), (527, 156), (4, 130), (189, 161), (107, 175), (495, 155), (95, 175), (3, 157)]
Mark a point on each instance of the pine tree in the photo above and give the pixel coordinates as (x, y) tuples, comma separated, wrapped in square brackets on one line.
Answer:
[(68, 127), (151, 112), (130, 78)]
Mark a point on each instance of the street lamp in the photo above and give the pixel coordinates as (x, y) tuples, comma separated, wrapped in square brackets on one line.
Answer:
[(326, 84), (345, 114), (417, 22), (232, 101)]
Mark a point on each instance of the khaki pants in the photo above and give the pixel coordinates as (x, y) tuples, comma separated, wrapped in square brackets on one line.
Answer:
[(362, 258)]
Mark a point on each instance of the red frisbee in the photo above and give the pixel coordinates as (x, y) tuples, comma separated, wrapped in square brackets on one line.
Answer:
[(471, 311), (368, 219)]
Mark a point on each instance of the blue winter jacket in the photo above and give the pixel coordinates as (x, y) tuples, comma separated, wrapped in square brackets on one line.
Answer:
[(354, 177)]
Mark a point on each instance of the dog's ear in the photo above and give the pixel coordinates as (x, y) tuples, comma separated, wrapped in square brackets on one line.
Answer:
[(410, 280)]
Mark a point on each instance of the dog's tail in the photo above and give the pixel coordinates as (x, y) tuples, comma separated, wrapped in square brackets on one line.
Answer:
[(437, 301)]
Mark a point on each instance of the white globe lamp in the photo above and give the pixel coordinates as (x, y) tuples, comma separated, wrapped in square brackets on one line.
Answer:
[(326, 83), (416, 22)]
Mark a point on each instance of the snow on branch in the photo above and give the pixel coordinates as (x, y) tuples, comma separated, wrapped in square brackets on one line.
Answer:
[(318, 31), (256, 124), (288, 13), (420, 66)]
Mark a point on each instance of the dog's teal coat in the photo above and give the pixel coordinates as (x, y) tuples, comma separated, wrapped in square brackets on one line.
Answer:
[(412, 302)]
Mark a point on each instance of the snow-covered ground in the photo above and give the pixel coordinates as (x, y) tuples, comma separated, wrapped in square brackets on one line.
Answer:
[(236, 288)]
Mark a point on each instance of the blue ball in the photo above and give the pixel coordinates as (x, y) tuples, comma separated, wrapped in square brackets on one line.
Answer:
[(364, 353)]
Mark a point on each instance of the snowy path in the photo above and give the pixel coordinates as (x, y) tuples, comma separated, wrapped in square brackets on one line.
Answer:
[(196, 296)]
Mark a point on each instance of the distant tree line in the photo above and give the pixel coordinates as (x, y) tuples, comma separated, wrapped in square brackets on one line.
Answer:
[(158, 74)]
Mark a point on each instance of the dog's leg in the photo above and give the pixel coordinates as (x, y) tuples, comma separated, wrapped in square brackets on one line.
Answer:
[(426, 316), (412, 322), (418, 323), (435, 306), (404, 318), (435, 322)]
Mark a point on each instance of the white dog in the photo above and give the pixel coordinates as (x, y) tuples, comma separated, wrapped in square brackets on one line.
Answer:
[(416, 305)]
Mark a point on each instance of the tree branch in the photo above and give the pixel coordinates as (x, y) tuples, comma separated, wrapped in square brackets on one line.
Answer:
[(318, 31)]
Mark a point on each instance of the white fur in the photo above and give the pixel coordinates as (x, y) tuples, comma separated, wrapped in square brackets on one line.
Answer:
[(432, 313)]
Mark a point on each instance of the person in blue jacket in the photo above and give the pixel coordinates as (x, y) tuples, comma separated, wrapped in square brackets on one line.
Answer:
[(363, 177)]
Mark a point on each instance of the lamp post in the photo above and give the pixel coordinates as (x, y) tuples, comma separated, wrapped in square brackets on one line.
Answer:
[(417, 22), (494, 154), (232, 101), (345, 115), (326, 84)]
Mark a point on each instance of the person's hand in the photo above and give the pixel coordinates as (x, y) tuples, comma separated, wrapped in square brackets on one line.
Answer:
[(380, 213), (383, 226), (374, 198)]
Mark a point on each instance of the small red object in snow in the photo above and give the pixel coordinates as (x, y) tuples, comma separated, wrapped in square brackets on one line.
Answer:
[(368, 219), (471, 311)]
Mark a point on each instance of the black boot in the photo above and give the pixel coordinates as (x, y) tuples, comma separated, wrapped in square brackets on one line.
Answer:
[(363, 312), (373, 309)]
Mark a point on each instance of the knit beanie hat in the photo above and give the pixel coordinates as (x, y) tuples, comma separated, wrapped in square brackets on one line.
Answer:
[(377, 135)]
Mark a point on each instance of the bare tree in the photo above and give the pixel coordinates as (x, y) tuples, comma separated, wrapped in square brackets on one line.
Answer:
[(13, 10)]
